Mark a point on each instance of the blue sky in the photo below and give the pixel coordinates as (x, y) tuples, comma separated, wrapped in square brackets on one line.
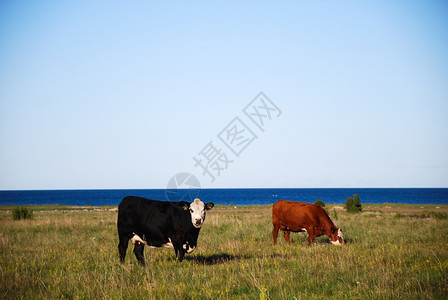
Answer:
[(113, 94)]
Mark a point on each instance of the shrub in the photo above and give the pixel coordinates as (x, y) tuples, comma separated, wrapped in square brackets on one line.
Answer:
[(22, 212), (353, 204), (349, 204), (335, 215), (357, 202), (320, 203)]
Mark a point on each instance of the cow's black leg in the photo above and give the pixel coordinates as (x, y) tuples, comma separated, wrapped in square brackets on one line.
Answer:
[(181, 255), (138, 251), (178, 250), (122, 247)]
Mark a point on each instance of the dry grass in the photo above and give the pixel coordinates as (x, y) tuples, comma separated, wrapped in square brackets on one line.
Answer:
[(73, 254)]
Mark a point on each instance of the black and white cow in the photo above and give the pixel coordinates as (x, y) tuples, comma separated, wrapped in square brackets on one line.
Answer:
[(159, 224)]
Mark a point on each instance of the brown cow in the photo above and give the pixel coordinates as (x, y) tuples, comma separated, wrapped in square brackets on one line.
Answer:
[(298, 216)]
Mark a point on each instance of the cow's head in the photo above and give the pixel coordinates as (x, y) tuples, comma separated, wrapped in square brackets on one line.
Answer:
[(336, 237), (197, 210)]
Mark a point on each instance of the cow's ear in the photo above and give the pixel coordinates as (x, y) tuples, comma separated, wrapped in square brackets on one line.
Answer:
[(333, 230), (186, 207), (209, 205)]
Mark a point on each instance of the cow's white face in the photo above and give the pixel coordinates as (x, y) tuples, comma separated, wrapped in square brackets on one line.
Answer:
[(197, 210), (339, 238)]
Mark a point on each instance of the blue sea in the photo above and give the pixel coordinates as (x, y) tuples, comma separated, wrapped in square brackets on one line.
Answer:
[(228, 196)]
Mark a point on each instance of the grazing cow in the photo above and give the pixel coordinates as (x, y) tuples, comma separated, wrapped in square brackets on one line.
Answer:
[(298, 216), (159, 224)]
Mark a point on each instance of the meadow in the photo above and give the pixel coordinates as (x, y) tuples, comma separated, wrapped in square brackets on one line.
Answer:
[(392, 252)]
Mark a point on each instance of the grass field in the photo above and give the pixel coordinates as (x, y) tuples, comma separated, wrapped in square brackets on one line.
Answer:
[(392, 251)]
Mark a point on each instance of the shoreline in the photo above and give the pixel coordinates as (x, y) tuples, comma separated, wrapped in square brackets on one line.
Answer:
[(367, 207)]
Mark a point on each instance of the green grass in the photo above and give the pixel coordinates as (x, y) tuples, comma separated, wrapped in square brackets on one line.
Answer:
[(72, 254)]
